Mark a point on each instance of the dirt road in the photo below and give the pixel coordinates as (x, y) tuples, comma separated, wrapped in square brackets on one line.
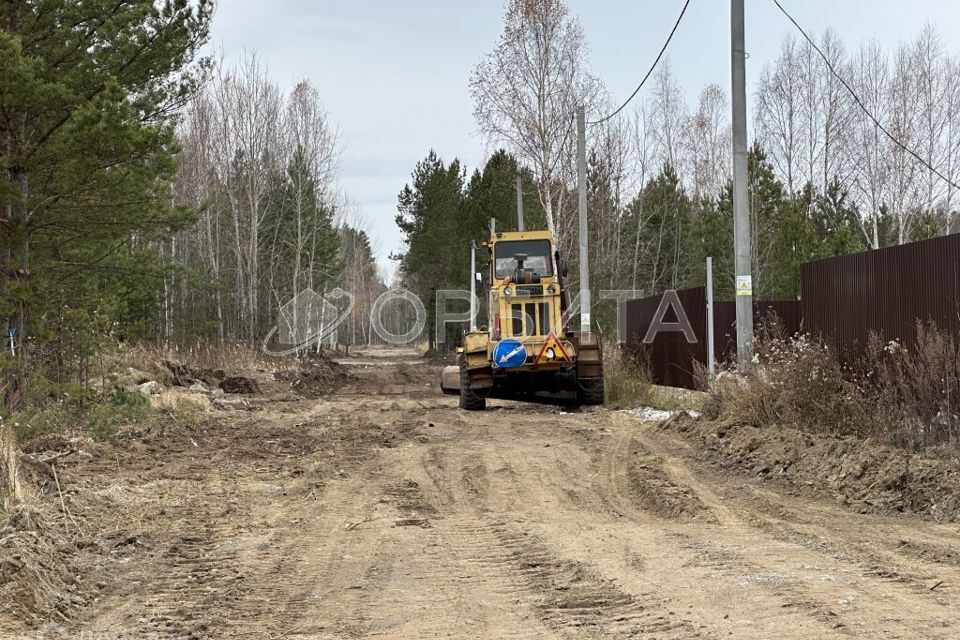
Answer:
[(383, 511)]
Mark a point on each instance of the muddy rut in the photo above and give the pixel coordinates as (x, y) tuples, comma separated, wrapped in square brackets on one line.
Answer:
[(383, 511)]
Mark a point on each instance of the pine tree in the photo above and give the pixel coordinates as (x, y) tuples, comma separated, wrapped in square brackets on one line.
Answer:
[(711, 235), (436, 233), (492, 193), (88, 93), (837, 220), (655, 230)]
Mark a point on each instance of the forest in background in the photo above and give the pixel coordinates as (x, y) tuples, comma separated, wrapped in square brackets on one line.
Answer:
[(150, 194), (824, 178)]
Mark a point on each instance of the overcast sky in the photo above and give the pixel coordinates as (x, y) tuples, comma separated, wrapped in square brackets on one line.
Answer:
[(393, 74)]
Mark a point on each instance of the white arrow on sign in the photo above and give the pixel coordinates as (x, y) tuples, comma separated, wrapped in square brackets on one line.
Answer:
[(506, 357)]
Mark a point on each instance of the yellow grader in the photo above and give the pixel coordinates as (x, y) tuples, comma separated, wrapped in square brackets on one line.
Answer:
[(526, 352)]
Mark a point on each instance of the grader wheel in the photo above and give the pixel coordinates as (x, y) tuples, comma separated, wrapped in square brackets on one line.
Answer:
[(470, 399), (589, 391)]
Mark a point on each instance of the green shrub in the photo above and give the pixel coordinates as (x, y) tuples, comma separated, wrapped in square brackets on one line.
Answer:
[(101, 417)]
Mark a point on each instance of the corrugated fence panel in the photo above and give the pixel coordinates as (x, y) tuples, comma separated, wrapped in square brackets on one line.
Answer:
[(844, 299), (886, 291), (670, 357)]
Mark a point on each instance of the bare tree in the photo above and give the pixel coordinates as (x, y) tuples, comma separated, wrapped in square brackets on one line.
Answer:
[(261, 167), (313, 152), (669, 113), (643, 154), (610, 161), (248, 153), (525, 92), (868, 150), (932, 77), (904, 126), (706, 144), (951, 167), (779, 100), (834, 112), (811, 75)]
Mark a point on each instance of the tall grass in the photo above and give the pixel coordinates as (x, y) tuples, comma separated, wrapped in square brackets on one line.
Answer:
[(626, 380), (11, 490)]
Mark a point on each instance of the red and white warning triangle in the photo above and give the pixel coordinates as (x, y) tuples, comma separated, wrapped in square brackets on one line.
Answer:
[(558, 350)]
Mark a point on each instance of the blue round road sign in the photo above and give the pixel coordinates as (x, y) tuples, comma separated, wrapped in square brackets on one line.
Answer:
[(509, 353)]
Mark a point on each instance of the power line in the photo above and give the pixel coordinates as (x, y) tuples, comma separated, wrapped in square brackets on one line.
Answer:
[(859, 102), (652, 67)]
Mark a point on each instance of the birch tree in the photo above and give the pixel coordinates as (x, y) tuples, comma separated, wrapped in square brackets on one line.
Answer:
[(707, 143), (868, 151), (904, 126), (526, 91), (668, 112), (778, 104)]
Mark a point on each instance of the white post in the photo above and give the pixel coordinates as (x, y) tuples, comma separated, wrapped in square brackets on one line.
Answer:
[(582, 205), (741, 203), (710, 354), (519, 204), (473, 286)]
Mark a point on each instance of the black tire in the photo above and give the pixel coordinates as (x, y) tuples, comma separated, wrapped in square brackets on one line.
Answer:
[(469, 398), (589, 391)]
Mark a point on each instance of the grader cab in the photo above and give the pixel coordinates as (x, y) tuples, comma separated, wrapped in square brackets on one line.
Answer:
[(526, 353)]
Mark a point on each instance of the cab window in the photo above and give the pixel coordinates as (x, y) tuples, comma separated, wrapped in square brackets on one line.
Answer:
[(537, 256)]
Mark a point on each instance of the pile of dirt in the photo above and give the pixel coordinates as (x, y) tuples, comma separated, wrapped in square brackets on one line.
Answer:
[(239, 384), (866, 475), (183, 375), (649, 486), (316, 375)]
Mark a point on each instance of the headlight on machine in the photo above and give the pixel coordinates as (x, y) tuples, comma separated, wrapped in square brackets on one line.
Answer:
[(551, 354), (551, 289), (508, 291)]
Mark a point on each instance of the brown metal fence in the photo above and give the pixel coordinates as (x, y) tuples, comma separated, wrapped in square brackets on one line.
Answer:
[(671, 357), (844, 300), (886, 291)]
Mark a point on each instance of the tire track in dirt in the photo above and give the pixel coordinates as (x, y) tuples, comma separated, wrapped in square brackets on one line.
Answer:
[(430, 588), (373, 514), (876, 549), (565, 595), (568, 595), (565, 536), (855, 591)]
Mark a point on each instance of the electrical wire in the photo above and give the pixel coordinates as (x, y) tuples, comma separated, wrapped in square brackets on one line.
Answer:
[(859, 102), (652, 67)]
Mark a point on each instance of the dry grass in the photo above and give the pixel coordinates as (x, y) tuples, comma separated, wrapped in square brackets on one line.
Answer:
[(205, 356), (11, 490), (627, 383), (183, 404), (906, 397), (915, 390)]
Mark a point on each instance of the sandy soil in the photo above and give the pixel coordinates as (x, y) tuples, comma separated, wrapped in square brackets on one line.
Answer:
[(383, 511)]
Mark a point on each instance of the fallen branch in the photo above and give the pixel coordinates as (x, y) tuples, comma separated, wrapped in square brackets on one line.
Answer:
[(353, 525)]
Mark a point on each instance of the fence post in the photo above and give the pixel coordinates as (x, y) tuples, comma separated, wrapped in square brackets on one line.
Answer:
[(710, 354)]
